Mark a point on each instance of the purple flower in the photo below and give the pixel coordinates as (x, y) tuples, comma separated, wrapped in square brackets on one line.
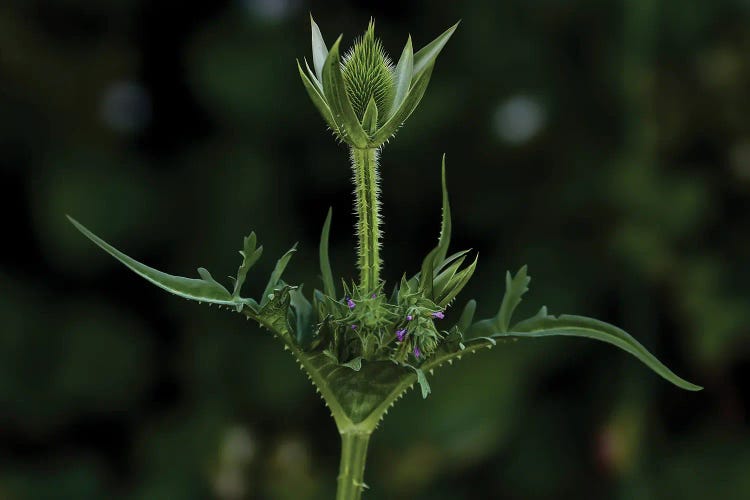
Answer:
[(438, 315), (354, 327), (400, 334), (350, 303), (374, 296), (417, 352), (409, 317)]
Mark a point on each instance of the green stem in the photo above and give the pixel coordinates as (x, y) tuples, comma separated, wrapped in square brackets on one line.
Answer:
[(367, 204), (352, 468)]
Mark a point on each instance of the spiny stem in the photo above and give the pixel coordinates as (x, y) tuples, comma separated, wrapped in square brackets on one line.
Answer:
[(352, 467), (367, 204)]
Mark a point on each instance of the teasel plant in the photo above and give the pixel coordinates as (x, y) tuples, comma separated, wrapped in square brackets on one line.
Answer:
[(363, 345)]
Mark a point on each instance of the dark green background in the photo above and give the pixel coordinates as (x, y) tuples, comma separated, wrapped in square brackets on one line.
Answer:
[(605, 144)]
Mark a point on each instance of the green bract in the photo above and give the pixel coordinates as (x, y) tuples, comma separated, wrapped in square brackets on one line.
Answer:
[(365, 100), (360, 344)]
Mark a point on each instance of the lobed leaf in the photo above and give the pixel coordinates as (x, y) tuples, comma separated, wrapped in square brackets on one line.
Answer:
[(515, 288), (250, 255)]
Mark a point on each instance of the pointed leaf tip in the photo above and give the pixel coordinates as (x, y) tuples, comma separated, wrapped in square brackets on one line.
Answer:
[(402, 77), (542, 325), (329, 287), (319, 49), (427, 54), (205, 289)]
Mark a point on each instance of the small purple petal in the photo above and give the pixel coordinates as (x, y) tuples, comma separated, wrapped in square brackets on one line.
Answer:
[(409, 317), (354, 327), (350, 303), (438, 315), (417, 352), (374, 296), (400, 334)]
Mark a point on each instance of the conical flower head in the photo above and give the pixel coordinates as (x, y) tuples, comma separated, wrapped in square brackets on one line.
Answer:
[(368, 75), (364, 99)]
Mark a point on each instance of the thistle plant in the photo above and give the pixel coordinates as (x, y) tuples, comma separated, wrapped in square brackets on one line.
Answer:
[(363, 344)]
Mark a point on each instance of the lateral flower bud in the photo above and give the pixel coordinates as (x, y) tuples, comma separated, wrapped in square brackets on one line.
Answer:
[(365, 99)]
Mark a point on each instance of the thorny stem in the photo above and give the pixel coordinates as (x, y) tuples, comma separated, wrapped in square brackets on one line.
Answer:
[(352, 468), (367, 205)]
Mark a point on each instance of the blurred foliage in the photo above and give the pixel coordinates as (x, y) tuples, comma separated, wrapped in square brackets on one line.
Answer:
[(604, 144)]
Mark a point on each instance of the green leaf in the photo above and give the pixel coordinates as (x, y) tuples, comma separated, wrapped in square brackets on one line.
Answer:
[(276, 274), (402, 77), (325, 264), (437, 255), (318, 100), (205, 289), (443, 278), (426, 55), (319, 49), (354, 364), (457, 284), (422, 381), (403, 112), (467, 316), (370, 118), (543, 325), (302, 314), (334, 91), (514, 289), (445, 227), (250, 255)]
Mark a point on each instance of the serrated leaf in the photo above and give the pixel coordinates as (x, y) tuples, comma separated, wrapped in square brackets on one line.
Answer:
[(319, 49), (318, 100), (515, 287), (581, 326), (205, 289), (278, 270), (250, 255), (370, 118), (325, 264), (335, 94), (437, 255), (426, 55), (407, 107), (402, 77)]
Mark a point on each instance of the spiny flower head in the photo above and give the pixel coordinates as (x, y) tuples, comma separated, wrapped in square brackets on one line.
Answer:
[(365, 99), (368, 75)]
